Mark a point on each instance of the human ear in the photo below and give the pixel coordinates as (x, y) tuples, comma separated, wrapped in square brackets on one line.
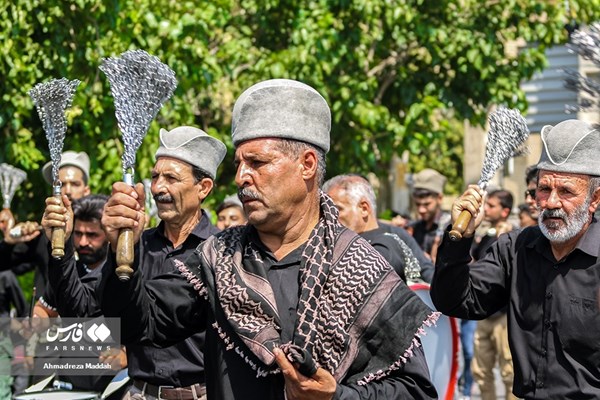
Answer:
[(205, 186), (309, 161), (595, 200)]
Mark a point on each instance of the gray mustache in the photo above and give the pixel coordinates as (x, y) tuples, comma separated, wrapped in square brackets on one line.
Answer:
[(554, 214), (163, 198), (247, 194)]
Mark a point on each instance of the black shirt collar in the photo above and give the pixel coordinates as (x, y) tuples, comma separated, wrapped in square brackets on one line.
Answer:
[(203, 229), (292, 257), (589, 243)]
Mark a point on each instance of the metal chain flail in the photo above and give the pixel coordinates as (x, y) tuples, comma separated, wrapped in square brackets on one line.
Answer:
[(506, 138), (586, 43), (51, 99), (140, 84), (10, 179)]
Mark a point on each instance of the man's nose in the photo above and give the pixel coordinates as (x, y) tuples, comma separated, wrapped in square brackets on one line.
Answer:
[(83, 241), (242, 176), (553, 200)]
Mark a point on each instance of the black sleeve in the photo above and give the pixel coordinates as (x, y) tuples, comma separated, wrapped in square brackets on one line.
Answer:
[(5, 254), (412, 381), (162, 311), (471, 290), (24, 257), (20, 262), (77, 297), (389, 249), (427, 268), (16, 295)]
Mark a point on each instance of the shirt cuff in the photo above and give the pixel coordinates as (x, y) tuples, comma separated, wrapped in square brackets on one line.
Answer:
[(456, 251)]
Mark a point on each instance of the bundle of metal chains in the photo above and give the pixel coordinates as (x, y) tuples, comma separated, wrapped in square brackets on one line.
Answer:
[(506, 138), (51, 100), (140, 84)]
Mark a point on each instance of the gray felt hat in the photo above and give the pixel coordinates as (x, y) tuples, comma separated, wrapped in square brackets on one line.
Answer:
[(571, 146), (69, 158), (429, 179), (193, 146), (233, 199), (230, 201), (281, 108)]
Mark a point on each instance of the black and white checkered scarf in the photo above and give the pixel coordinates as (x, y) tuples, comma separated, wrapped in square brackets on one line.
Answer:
[(356, 317)]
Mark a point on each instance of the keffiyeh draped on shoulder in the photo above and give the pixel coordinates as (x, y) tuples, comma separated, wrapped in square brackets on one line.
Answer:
[(356, 317)]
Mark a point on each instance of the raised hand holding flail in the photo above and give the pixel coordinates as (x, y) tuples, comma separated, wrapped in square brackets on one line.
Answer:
[(506, 137), (140, 84), (51, 99)]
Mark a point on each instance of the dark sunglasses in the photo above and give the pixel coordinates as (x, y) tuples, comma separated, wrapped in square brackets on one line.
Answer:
[(530, 192)]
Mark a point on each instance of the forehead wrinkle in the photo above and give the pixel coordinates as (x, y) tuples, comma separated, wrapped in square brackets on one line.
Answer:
[(565, 181), (172, 167)]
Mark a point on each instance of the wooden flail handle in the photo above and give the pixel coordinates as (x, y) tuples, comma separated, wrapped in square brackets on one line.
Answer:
[(6, 217), (124, 255), (58, 234), (460, 226)]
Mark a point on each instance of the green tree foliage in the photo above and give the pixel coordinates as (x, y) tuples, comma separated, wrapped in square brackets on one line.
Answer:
[(397, 74)]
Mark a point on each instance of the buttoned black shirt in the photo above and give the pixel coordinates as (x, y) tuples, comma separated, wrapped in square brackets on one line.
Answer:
[(181, 364), (179, 310), (283, 277), (72, 294), (553, 315)]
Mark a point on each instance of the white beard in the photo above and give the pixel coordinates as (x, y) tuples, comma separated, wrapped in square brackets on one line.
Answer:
[(571, 226)]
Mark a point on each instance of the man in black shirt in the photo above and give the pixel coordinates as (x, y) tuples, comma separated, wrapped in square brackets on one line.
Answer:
[(354, 197), (491, 336), (547, 275), (29, 252), (295, 305), (427, 194), (91, 245), (182, 177)]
